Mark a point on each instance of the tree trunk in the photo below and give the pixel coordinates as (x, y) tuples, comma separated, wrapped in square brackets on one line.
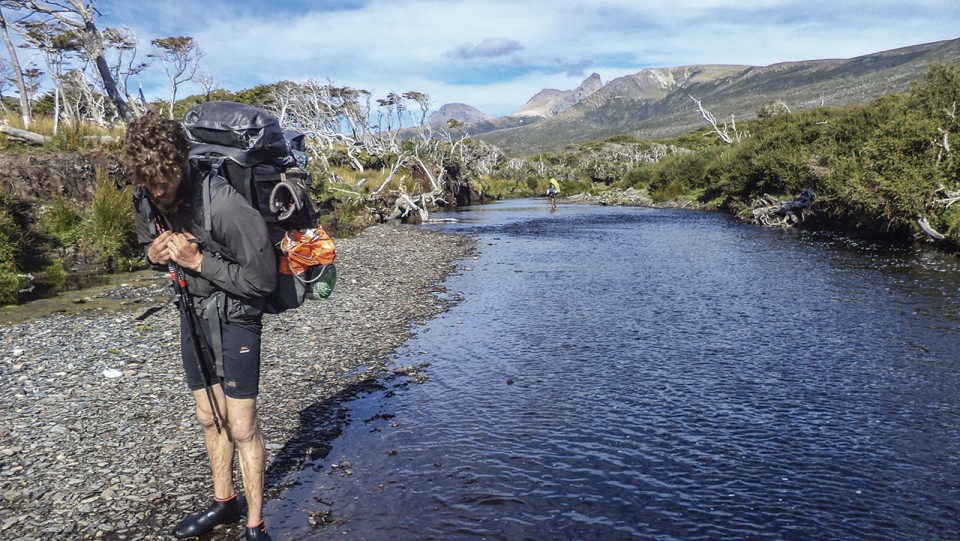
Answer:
[(109, 84), (173, 98), (18, 74)]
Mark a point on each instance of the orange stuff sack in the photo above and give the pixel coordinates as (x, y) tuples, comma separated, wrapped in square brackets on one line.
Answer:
[(306, 269), (306, 248)]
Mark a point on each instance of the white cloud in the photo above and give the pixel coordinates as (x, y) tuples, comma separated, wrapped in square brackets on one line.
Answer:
[(488, 48)]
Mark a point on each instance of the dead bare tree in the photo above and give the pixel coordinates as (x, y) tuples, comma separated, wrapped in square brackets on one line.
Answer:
[(332, 116), (337, 122), (207, 82), (121, 53), (388, 109), (943, 198), (75, 94), (6, 79), (420, 122), (540, 166), (58, 47), (25, 109), (79, 15), (180, 57), (283, 96), (943, 143), (724, 132)]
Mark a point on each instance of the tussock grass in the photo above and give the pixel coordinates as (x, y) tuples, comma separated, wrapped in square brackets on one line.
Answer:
[(107, 226)]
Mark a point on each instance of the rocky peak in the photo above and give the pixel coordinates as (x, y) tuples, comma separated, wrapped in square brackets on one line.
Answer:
[(551, 102)]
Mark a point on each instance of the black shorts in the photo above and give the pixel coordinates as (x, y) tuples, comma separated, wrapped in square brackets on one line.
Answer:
[(241, 356)]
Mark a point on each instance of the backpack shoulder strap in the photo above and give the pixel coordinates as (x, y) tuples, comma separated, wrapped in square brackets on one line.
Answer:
[(212, 169)]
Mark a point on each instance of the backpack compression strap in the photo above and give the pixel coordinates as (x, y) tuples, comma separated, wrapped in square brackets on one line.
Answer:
[(207, 179)]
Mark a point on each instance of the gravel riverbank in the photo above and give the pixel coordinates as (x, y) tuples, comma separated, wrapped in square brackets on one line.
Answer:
[(97, 434)]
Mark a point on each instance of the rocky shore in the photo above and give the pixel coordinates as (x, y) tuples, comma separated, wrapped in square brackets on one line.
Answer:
[(97, 434)]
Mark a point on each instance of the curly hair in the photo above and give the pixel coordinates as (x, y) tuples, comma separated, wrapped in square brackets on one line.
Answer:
[(156, 151)]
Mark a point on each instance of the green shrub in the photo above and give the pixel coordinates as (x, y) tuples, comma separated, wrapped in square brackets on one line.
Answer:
[(11, 234), (682, 171), (502, 187), (10, 284), (948, 223), (638, 177), (61, 220), (671, 191), (108, 224), (346, 218), (580, 185)]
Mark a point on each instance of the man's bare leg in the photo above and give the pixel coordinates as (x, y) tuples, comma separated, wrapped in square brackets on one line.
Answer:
[(220, 446), (245, 429)]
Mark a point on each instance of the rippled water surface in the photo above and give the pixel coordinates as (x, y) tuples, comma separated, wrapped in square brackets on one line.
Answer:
[(626, 373)]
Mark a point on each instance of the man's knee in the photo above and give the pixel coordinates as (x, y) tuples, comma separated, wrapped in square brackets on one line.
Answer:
[(205, 417), (243, 419), (244, 430)]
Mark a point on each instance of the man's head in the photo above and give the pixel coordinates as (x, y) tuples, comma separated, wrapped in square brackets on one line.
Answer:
[(156, 152)]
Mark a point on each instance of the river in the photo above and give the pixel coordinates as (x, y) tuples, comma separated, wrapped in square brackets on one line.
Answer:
[(630, 373)]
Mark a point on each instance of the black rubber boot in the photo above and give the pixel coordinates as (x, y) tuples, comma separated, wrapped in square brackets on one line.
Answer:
[(257, 533), (225, 512)]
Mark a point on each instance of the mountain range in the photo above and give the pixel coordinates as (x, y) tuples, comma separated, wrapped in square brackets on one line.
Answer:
[(659, 102)]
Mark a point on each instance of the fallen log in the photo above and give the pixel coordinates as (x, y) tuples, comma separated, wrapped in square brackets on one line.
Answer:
[(929, 231), (941, 203), (405, 206), (38, 139), (24, 135), (102, 139), (770, 211)]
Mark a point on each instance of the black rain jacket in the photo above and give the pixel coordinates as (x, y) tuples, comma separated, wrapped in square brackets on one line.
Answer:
[(238, 258)]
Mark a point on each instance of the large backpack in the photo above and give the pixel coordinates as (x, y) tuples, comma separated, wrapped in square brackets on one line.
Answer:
[(267, 165)]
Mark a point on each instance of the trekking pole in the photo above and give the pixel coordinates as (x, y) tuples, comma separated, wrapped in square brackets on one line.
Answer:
[(200, 349)]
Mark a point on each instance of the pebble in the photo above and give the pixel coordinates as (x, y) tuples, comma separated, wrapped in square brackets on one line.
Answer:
[(97, 435)]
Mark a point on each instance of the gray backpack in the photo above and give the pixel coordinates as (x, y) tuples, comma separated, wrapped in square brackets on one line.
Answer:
[(267, 165)]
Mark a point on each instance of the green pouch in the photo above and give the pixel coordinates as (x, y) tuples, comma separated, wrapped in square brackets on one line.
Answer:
[(319, 281)]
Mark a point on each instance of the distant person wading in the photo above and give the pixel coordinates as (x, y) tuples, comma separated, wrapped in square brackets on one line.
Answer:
[(552, 191)]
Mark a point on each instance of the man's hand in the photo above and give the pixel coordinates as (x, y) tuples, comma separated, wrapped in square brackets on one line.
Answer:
[(157, 253), (184, 251), (181, 248)]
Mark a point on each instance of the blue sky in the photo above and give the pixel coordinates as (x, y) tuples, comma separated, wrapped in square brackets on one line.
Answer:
[(496, 54)]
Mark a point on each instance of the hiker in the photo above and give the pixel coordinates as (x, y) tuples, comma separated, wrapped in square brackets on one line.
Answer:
[(552, 192), (225, 286)]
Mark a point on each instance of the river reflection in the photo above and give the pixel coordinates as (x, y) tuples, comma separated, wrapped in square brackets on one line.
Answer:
[(626, 373)]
